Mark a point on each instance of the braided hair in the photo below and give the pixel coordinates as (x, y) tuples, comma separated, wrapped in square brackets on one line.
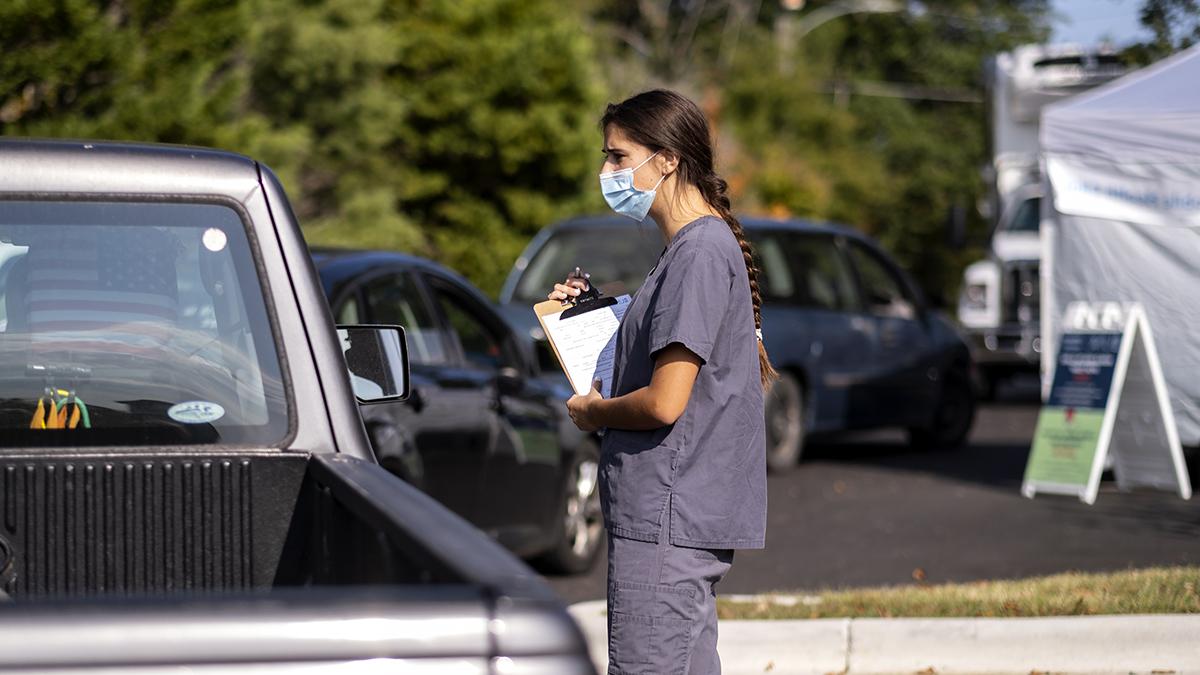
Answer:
[(664, 120)]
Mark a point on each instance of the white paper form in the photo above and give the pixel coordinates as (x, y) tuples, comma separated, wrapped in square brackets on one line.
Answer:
[(587, 344)]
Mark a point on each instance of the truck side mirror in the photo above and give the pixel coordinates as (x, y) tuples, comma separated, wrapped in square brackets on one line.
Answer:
[(377, 362)]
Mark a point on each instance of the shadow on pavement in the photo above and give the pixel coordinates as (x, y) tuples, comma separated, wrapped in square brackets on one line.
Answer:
[(994, 455), (867, 510), (995, 458), (992, 464)]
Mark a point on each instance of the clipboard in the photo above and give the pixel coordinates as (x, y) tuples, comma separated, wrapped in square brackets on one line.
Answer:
[(586, 337)]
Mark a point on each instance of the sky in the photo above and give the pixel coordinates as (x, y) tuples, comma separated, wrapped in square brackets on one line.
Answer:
[(1090, 21)]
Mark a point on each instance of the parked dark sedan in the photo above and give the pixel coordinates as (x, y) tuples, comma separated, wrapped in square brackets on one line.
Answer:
[(855, 341), (481, 432)]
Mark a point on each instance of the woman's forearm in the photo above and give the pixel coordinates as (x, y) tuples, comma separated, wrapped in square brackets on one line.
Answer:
[(635, 411), (656, 405)]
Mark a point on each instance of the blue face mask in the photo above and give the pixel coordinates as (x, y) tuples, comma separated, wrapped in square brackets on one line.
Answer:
[(618, 190)]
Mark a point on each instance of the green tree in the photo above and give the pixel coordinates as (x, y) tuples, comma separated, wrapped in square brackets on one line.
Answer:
[(1175, 25), (926, 118), (675, 43), (173, 72), (873, 119), (451, 128), (456, 129)]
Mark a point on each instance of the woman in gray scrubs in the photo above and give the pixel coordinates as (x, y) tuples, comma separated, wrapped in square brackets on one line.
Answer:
[(683, 469)]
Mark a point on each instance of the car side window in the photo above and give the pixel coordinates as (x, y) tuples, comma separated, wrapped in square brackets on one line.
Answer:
[(825, 282), (396, 299), (774, 278), (883, 292), (350, 312), (803, 271), (482, 345)]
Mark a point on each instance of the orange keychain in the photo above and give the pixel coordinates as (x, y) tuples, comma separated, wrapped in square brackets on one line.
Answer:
[(52, 416), (60, 420), (39, 415), (57, 416)]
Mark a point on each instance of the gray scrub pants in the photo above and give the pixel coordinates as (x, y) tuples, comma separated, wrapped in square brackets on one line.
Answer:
[(662, 606)]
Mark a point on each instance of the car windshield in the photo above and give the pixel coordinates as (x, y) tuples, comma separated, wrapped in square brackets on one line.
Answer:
[(1027, 217), (608, 253), (133, 324)]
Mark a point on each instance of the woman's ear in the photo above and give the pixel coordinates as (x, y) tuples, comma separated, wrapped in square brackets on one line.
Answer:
[(667, 162)]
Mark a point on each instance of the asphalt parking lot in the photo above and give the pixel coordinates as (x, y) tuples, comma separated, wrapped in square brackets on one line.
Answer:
[(868, 510)]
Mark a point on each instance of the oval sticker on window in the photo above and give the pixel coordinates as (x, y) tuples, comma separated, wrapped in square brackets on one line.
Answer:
[(196, 412)]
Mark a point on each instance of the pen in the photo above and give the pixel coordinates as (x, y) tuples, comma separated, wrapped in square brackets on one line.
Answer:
[(580, 274)]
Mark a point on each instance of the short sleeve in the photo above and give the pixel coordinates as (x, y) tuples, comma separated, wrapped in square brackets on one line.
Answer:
[(691, 303)]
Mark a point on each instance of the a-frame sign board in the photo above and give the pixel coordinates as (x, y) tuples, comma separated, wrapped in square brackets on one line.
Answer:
[(1108, 397)]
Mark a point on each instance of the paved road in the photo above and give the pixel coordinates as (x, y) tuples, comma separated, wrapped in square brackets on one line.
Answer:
[(870, 511)]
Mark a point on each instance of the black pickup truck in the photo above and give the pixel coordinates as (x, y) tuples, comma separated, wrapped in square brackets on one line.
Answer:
[(185, 481)]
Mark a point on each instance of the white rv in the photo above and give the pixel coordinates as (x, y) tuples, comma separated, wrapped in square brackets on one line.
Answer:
[(999, 302)]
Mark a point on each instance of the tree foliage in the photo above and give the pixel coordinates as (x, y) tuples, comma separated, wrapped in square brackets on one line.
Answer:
[(165, 71), (929, 127), (1174, 24), (876, 120), (451, 128), (457, 128)]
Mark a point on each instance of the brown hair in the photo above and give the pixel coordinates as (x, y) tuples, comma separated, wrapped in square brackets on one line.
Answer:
[(664, 120)]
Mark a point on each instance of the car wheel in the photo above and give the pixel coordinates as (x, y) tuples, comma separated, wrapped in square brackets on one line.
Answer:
[(785, 423), (581, 523), (954, 416)]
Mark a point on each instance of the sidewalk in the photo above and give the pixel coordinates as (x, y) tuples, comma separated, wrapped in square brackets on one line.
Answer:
[(1091, 645)]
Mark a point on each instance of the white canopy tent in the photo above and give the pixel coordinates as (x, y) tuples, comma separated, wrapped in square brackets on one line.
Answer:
[(1121, 221)]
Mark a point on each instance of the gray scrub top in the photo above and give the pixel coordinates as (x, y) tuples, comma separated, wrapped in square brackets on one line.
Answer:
[(708, 469)]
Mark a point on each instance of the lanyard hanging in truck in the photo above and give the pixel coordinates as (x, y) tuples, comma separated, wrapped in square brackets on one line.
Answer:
[(64, 413)]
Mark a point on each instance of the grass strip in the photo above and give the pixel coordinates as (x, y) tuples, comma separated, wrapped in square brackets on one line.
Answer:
[(1158, 590)]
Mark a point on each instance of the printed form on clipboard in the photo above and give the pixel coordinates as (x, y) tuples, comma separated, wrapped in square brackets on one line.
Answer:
[(584, 336)]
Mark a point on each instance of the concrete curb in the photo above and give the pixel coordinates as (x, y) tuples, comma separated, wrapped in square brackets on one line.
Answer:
[(1089, 645)]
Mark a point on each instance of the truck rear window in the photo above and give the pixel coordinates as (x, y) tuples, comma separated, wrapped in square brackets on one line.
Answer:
[(126, 323)]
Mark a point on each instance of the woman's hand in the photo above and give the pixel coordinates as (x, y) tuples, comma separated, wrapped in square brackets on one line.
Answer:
[(582, 409), (576, 283)]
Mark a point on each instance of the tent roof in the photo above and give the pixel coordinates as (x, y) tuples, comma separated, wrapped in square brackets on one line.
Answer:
[(1152, 114), (1171, 85)]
